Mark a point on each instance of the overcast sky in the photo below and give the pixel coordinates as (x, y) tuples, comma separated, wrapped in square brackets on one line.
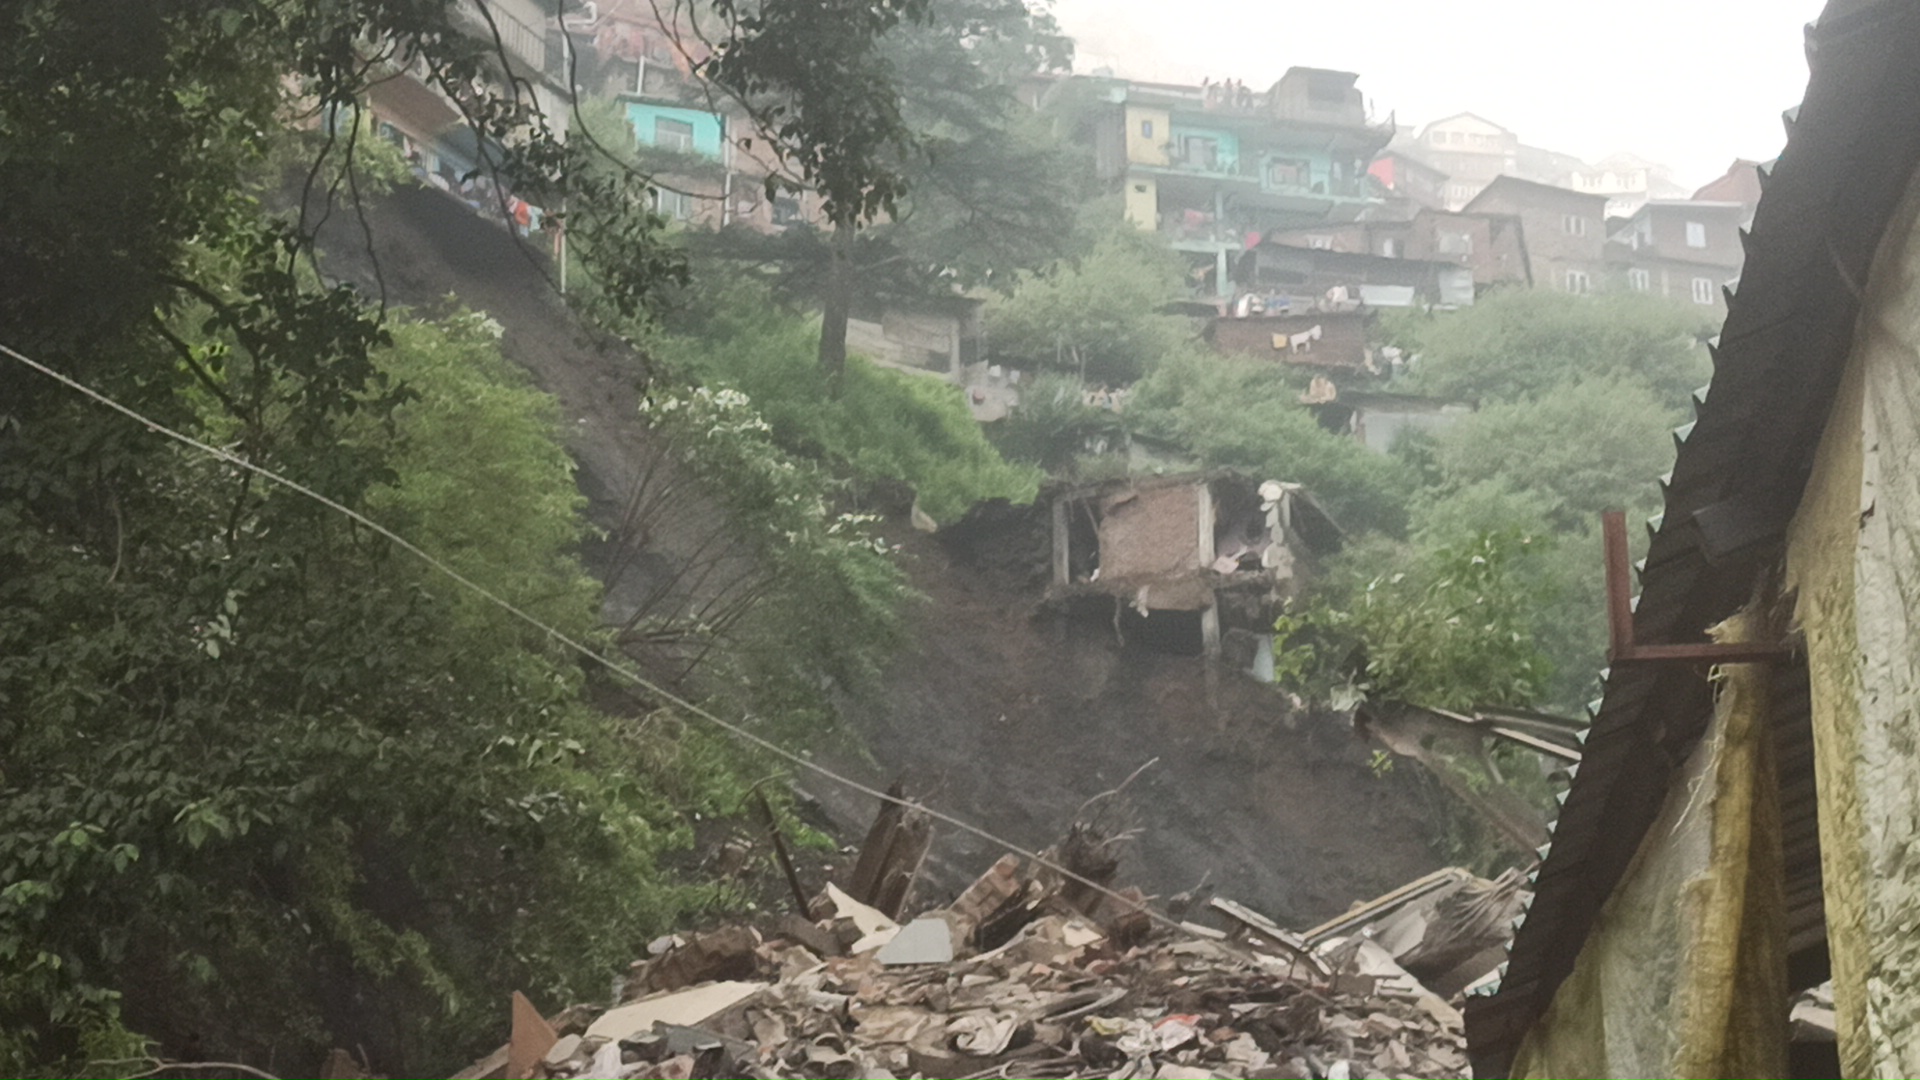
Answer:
[(1692, 83)]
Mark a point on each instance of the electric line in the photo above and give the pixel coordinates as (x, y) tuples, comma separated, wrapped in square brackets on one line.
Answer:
[(563, 638)]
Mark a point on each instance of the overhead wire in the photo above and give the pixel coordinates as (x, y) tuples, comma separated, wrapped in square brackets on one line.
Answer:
[(594, 655)]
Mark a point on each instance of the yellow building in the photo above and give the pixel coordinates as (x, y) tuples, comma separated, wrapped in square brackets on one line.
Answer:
[(1740, 832)]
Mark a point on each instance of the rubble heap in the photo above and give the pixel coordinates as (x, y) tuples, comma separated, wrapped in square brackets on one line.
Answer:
[(1019, 976)]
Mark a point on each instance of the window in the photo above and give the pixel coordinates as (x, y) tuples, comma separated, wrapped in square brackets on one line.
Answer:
[(673, 134), (1453, 243), (1575, 225), (1577, 281), (1390, 247), (1288, 173), (786, 210), (1639, 280), (1696, 234), (1702, 290), (1146, 129), (1200, 153), (1320, 243), (677, 205)]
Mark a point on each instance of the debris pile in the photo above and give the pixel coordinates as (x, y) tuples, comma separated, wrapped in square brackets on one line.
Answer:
[(1025, 974)]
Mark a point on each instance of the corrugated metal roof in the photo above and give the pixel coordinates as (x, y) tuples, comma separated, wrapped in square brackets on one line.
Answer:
[(1736, 482)]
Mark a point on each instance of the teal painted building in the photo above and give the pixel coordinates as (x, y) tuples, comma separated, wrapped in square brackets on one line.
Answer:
[(677, 127)]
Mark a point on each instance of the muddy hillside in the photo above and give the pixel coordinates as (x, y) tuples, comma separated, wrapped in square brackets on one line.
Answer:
[(999, 709)]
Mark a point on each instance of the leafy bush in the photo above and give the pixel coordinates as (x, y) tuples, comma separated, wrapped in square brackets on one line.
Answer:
[(882, 426), (1449, 629), (270, 780), (1583, 447), (1053, 424), (1247, 415), (1515, 344), (1097, 317)]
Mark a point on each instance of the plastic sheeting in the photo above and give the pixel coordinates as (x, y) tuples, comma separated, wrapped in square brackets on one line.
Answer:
[(1854, 557), (1684, 973)]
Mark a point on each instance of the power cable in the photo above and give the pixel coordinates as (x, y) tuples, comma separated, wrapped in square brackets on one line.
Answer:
[(621, 670)]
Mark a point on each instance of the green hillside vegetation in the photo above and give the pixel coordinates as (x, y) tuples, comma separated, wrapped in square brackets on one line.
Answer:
[(871, 426)]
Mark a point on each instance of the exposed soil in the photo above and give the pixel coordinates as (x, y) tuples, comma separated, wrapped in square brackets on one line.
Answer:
[(1012, 721), (1000, 717)]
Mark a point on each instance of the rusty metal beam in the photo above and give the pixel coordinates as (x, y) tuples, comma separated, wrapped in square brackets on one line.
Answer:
[(1621, 647)]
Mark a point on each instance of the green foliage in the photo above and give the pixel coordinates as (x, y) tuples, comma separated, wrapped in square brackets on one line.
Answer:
[(265, 777), (882, 426), (1246, 415), (484, 429), (1516, 344), (1097, 316), (1577, 398), (824, 93), (1449, 630), (1583, 447), (1053, 424), (832, 570), (978, 192), (303, 784)]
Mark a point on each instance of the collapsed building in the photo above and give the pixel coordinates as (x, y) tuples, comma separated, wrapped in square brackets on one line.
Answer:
[(1194, 563)]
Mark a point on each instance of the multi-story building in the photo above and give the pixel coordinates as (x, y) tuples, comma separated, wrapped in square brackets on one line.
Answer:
[(410, 111), (1214, 168), (1682, 249), (1407, 177), (1740, 183), (1471, 150), (1492, 246), (1565, 230), (710, 167), (1628, 181)]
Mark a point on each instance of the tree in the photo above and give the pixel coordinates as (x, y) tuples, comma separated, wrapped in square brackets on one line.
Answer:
[(1446, 629), (1237, 413), (1584, 447), (266, 778), (267, 781), (877, 428), (1518, 343), (1097, 316), (952, 184)]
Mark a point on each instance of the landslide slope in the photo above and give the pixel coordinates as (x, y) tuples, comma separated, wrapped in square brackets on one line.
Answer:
[(1005, 719)]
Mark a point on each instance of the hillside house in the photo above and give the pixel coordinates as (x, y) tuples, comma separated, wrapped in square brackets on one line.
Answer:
[(1186, 558), (1685, 250), (1628, 181), (1378, 419), (1565, 230), (1492, 247), (937, 335), (1471, 150), (1740, 184), (1407, 177), (1371, 280), (1335, 340), (1214, 167), (1742, 825), (409, 111)]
